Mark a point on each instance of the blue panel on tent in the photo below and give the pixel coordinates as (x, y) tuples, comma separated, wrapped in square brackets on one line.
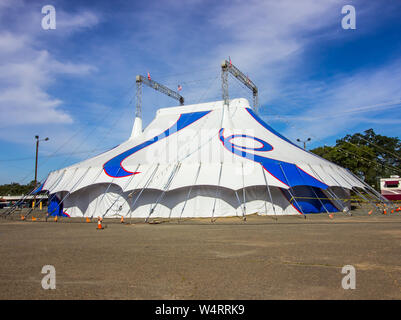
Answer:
[(55, 207), (113, 167), (310, 200), (38, 189), (288, 173)]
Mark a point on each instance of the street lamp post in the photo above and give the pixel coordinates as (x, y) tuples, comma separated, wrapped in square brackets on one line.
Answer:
[(36, 166), (304, 142)]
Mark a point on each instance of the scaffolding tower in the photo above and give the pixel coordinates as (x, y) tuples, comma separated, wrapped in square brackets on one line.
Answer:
[(228, 67)]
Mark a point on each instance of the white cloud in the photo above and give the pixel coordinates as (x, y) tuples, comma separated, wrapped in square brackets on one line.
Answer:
[(346, 102), (81, 19), (24, 98), (264, 32), (264, 38), (27, 72), (10, 43)]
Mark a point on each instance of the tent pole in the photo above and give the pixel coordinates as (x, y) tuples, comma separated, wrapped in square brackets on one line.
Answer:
[(14, 206), (366, 199), (217, 190), (12, 209), (69, 192), (289, 190), (243, 192), (313, 191), (268, 191), (122, 190), (239, 202), (54, 184), (107, 189), (345, 191), (94, 180), (49, 214), (348, 211), (379, 199), (378, 195), (355, 189), (145, 186), (332, 194), (130, 195), (189, 192), (178, 167), (371, 196), (166, 186)]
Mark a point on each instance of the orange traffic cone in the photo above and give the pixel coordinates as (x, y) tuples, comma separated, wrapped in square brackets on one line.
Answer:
[(22, 218), (331, 216), (87, 219), (370, 212), (122, 219), (55, 219), (99, 223)]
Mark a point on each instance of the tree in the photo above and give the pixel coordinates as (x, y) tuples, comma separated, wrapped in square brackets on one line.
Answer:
[(368, 155), (16, 188)]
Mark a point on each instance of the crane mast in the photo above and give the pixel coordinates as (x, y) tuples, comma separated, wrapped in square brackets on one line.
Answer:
[(158, 87), (228, 67), (140, 80)]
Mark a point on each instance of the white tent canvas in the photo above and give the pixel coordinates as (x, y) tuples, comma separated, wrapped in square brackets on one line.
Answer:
[(203, 160)]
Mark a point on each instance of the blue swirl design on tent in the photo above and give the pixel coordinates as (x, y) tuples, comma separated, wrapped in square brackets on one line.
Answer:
[(267, 127), (287, 173), (114, 168)]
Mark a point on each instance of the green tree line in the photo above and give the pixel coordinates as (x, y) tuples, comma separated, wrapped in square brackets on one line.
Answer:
[(14, 189), (368, 155)]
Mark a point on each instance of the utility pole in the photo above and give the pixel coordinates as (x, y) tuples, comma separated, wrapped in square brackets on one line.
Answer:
[(36, 161), (36, 166), (304, 142)]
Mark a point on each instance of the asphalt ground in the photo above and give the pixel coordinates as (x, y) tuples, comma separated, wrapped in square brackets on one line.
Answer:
[(260, 258)]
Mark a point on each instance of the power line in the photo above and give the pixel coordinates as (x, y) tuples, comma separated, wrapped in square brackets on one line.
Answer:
[(98, 122), (50, 156)]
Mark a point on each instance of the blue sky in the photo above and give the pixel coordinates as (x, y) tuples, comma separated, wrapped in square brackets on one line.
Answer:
[(76, 84)]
